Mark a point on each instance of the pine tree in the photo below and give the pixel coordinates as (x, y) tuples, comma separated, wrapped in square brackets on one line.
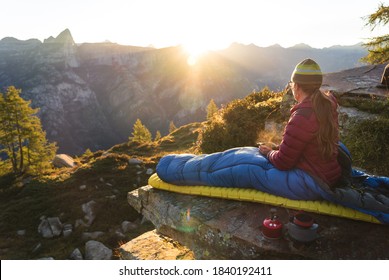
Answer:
[(211, 109), (21, 135), (157, 136), (172, 127), (88, 153), (378, 47), (140, 133)]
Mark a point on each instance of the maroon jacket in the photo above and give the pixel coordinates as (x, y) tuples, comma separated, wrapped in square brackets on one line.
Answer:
[(299, 147)]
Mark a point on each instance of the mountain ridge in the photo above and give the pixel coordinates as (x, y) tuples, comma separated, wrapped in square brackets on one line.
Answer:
[(91, 94), (66, 35)]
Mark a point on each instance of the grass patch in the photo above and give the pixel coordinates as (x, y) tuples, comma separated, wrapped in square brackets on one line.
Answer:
[(107, 176), (368, 143), (370, 105)]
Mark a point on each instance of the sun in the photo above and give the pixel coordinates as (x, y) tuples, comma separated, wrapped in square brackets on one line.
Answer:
[(194, 50)]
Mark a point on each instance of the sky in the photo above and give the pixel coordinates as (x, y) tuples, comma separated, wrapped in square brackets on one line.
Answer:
[(197, 24)]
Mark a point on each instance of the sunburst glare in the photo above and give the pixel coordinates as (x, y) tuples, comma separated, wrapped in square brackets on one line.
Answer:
[(194, 50), (192, 60)]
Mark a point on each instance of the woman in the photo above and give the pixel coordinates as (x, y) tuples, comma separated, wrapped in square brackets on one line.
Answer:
[(311, 135)]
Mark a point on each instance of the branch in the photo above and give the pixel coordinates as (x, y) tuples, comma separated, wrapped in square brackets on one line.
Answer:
[(380, 17)]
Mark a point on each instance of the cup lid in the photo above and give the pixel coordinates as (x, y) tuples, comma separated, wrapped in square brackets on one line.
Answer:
[(303, 219)]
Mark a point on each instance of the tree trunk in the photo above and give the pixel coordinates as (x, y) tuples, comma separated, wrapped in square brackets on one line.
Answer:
[(11, 148), (19, 133), (21, 163)]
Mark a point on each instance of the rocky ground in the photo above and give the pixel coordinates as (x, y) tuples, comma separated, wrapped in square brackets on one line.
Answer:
[(58, 218)]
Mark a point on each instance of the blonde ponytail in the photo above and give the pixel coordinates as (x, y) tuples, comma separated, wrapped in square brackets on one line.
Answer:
[(328, 135), (324, 107)]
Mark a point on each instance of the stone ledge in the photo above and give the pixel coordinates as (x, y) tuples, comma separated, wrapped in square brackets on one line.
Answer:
[(360, 81), (226, 229)]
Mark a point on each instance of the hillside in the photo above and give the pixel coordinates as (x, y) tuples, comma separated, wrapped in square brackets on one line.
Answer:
[(90, 200), (100, 182), (90, 95)]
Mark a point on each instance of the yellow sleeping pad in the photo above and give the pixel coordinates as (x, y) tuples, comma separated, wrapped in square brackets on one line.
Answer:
[(315, 206)]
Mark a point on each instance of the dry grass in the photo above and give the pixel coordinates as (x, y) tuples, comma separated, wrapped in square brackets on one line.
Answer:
[(108, 178)]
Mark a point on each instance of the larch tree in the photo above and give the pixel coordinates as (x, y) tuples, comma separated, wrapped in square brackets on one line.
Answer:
[(378, 47), (158, 136), (211, 109), (140, 133), (22, 138), (172, 127)]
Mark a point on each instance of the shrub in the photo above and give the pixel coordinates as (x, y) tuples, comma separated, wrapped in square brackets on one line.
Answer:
[(368, 145), (240, 121)]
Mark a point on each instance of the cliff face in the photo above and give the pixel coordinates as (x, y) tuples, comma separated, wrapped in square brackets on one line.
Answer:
[(90, 95), (69, 109)]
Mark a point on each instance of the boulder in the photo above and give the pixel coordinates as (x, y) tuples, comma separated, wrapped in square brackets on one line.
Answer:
[(95, 250), (76, 255), (154, 246), (215, 228), (135, 161), (89, 210), (50, 227), (62, 160), (67, 230)]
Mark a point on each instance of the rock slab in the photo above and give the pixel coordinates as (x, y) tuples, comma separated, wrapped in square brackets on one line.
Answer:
[(228, 229), (95, 250), (363, 81), (154, 246), (62, 160)]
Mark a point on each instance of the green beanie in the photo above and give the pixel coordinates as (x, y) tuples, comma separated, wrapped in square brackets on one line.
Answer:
[(307, 72)]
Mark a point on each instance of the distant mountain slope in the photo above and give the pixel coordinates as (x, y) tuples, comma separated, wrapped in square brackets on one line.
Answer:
[(272, 66), (91, 94)]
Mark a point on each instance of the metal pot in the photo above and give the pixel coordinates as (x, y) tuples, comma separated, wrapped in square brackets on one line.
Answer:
[(303, 234)]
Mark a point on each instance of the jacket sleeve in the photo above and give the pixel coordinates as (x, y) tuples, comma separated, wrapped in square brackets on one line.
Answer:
[(297, 134)]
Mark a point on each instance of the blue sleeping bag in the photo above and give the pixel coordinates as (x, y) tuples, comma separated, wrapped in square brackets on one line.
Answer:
[(245, 167)]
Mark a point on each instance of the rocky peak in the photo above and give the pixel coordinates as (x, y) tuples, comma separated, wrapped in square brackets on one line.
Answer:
[(65, 37), (61, 49)]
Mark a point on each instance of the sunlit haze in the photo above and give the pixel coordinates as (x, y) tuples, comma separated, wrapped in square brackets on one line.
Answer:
[(198, 25)]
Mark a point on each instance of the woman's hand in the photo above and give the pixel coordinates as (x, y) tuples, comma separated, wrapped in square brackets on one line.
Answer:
[(264, 150)]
